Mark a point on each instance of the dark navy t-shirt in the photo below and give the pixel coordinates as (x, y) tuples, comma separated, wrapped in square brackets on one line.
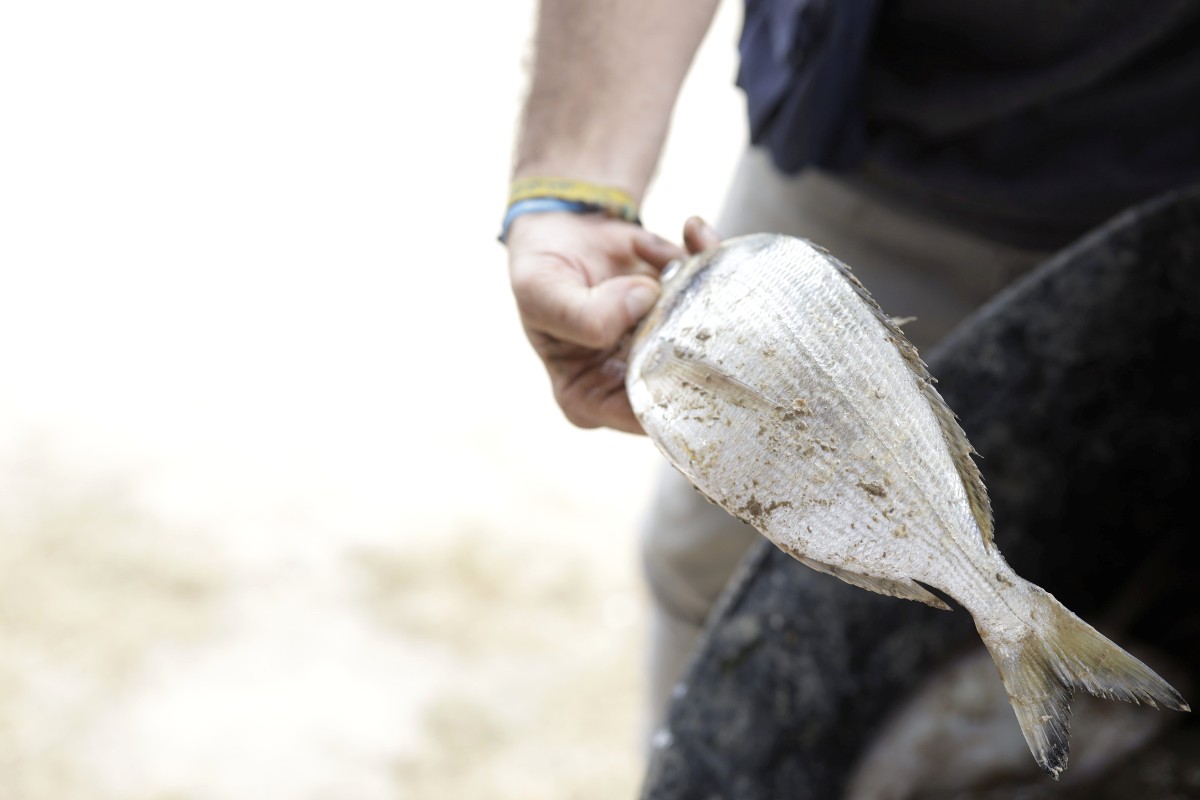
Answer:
[(1026, 120)]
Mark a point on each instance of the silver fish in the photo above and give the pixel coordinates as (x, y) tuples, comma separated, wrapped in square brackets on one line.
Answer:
[(769, 377)]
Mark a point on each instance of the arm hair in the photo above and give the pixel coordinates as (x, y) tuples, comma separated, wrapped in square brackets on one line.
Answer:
[(606, 74)]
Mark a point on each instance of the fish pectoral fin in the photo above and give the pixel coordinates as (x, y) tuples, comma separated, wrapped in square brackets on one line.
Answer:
[(905, 589), (674, 367)]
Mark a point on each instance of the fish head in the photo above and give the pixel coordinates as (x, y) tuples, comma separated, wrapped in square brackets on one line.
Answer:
[(673, 348), (686, 279)]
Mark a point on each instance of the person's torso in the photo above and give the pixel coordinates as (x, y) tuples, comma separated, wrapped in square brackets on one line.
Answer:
[(1027, 121)]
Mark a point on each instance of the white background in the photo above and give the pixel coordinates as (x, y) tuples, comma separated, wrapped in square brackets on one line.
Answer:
[(286, 509)]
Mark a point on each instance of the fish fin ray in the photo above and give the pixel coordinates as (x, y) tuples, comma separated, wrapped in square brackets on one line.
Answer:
[(705, 375), (956, 440), (905, 589), (1058, 655)]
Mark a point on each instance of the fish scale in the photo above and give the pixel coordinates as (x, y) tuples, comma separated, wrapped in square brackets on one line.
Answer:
[(772, 381)]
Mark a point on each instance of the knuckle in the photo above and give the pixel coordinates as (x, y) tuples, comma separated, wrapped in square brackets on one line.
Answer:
[(578, 417), (525, 289), (574, 409)]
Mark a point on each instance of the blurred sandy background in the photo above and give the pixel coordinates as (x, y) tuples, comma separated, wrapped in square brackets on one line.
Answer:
[(286, 509)]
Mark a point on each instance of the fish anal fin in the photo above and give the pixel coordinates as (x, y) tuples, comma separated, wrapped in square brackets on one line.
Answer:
[(905, 589)]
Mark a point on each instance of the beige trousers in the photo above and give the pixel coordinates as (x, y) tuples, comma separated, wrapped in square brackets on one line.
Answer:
[(913, 266)]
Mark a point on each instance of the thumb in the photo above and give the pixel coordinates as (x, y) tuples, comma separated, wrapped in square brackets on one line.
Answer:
[(595, 317), (698, 235)]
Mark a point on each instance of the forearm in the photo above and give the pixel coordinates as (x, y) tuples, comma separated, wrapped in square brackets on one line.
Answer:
[(605, 79)]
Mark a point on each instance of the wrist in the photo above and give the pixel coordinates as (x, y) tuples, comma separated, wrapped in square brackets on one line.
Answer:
[(619, 175), (541, 195)]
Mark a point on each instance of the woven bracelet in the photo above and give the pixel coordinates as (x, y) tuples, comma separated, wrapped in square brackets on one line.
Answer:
[(542, 195)]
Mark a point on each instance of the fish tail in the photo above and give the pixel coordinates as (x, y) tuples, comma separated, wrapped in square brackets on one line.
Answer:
[(1053, 657)]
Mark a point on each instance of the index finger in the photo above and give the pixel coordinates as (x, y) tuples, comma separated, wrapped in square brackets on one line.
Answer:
[(556, 300)]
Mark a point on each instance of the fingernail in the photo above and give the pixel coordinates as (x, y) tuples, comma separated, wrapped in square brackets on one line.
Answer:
[(639, 299), (699, 234)]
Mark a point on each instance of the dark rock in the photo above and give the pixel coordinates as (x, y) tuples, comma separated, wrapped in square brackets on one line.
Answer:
[(1079, 386)]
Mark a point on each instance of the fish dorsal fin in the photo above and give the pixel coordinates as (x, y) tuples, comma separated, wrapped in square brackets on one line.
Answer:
[(960, 449), (677, 365), (905, 589)]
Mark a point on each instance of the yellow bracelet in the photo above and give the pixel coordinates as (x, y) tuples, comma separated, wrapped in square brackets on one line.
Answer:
[(613, 202)]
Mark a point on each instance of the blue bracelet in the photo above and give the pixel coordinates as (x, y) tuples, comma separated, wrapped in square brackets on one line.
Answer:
[(541, 205)]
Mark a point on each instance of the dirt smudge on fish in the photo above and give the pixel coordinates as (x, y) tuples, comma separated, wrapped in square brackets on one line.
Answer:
[(755, 511), (873, 489)]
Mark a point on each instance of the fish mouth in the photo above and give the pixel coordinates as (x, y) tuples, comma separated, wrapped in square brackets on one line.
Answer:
[(684, 278), (676, 278), (672, 268)]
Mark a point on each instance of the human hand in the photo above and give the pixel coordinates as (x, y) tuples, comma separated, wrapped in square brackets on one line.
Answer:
[(581, 283)]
